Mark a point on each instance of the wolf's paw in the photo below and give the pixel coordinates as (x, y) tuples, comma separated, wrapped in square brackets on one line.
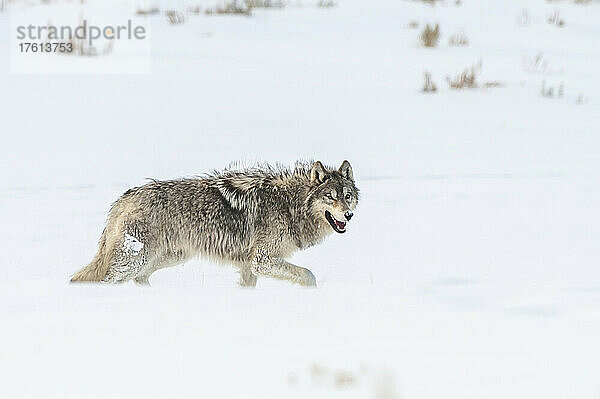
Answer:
[(308, 279)]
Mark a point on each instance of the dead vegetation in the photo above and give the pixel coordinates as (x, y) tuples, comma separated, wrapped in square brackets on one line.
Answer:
[(385, 387), (175, 17), (82, 48), (231, 7), (467, 79), (145, 12), (536, 64), (492, 84), (4, 4), (553, 91), (380, 383), (413, 24), (245, 7), (581, 100), (325, 377), (194, 10), (326, 4), (430, 36), (574, 1), (428, 85), (265, 3), (458, 39), (555, 19)]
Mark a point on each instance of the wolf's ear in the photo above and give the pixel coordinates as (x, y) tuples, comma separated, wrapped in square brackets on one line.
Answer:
[(346, 170), (317, 173)]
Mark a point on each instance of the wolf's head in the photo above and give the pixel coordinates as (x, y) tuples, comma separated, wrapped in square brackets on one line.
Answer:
[(335, 196)]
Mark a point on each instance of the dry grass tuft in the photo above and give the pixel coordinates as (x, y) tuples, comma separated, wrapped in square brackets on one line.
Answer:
[(556, 19), (194, 10), (428, 85), (574, 1), (536, 64), (343, 379), (494, 84), (581, 100), (232, 7), (326, 4), (458, 39), (4, 4), (553, 91), (467, 79), (430, 36), (148, 11), (81, 47), (265, 3), (175, 17), (244, 7), (386, 387), (413, 24)]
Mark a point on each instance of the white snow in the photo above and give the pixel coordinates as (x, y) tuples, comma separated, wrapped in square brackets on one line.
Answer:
[(132, 245), (470, 268)]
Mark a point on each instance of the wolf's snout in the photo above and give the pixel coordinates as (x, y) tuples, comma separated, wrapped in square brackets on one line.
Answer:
[(348, 215)]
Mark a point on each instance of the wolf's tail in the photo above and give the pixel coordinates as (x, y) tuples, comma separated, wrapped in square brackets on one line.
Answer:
[(98, 267)]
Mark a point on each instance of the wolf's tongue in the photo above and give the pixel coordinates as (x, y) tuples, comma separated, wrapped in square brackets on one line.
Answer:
[(340, 225)]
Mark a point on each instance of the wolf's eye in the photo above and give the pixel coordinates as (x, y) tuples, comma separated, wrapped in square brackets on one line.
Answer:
[(348, 197), (329, 196)]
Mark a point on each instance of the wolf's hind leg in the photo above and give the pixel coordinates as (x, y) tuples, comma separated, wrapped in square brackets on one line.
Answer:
[(157, 263), (142, 279), (125, 268), (129, 260), (247, 278), (278, 268)]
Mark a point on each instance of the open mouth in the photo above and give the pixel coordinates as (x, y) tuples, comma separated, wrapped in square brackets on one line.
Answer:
[(339, 227)]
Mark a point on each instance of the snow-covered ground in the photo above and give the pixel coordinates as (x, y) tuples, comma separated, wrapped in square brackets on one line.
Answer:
[(469, 271)]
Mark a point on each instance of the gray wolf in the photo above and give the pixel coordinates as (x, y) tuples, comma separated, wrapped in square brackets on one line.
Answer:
[(252, 218)]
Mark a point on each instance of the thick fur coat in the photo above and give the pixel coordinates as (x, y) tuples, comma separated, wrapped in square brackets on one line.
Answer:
[(253, 219)]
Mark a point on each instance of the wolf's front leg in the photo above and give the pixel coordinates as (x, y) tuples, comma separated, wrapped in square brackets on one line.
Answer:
[(263, 265)]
